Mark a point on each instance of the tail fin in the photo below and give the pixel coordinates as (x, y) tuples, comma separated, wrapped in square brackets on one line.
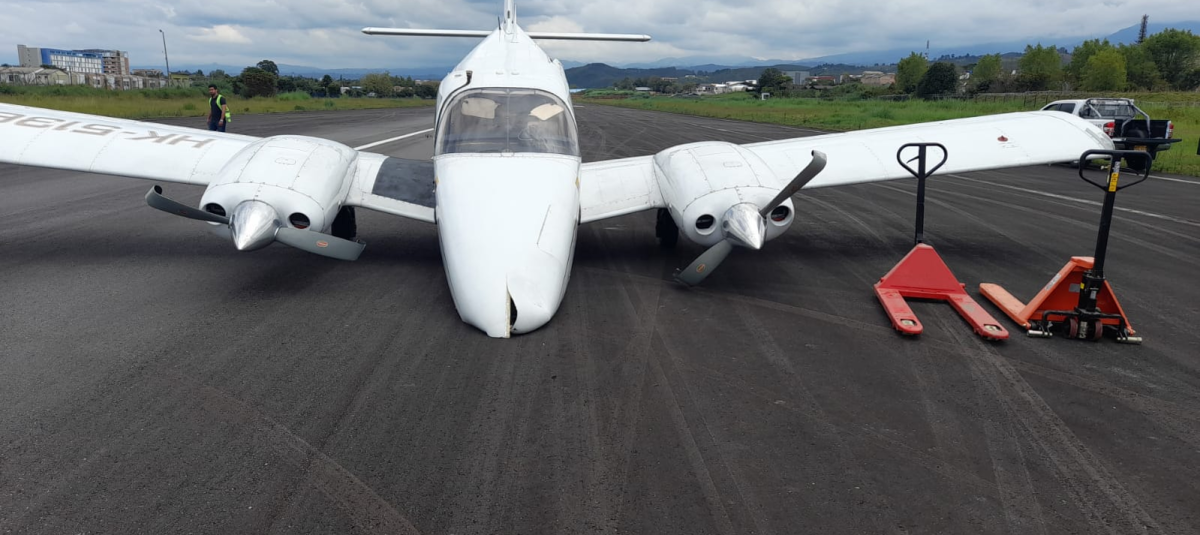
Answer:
[(510, 13)]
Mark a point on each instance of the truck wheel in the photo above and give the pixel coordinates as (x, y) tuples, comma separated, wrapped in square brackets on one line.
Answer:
[(344, 225)]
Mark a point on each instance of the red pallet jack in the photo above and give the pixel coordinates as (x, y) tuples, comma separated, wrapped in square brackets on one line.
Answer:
[(1078, 301), (923, 275)]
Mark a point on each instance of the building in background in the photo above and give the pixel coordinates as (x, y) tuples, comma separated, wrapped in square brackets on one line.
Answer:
[(102, 69), (90, 61), (115, 61)]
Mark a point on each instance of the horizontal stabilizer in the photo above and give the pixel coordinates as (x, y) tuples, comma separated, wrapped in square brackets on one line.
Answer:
[(485, 33)]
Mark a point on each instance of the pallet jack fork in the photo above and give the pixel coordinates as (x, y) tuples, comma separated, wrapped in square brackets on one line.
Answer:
[(922, 274), (1078, 300)]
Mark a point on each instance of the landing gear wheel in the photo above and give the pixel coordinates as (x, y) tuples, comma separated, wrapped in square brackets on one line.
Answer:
[(344, 225), (666, 230)]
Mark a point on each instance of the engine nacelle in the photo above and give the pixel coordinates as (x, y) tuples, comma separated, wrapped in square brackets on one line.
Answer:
[(304, 179), (701, 181)]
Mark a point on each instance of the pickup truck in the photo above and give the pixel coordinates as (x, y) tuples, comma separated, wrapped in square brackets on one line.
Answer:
[(1129, 127)]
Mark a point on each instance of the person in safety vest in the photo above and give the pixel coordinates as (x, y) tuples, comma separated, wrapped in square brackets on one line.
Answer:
[(218, 110)]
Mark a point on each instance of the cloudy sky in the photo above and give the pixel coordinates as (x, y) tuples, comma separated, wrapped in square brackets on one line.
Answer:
[(325, 33)]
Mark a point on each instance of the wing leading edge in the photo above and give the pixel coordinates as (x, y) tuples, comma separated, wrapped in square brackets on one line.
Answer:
[(93, 144), (618, 187)]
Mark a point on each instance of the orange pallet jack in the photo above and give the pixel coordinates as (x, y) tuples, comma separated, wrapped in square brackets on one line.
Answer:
[(1078, 301), (922, 274)]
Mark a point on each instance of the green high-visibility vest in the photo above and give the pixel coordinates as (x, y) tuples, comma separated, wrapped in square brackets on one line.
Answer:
[(220, 98)]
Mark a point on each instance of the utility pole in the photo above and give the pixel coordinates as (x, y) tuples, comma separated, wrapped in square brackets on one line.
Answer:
[(166, 57)]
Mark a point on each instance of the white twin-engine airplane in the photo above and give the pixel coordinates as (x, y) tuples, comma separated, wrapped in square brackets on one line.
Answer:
[(506, 188)]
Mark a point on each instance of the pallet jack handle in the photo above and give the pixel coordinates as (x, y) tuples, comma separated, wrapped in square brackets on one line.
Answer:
[(1111, 187), (921, 172)]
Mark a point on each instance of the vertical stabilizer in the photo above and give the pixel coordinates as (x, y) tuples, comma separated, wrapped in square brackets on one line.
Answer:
[(510, 13)]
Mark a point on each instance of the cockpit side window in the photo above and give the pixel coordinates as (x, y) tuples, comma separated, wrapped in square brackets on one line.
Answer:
[(506, 120)]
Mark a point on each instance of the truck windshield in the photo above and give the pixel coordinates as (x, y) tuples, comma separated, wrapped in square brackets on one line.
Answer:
[(506, 120)]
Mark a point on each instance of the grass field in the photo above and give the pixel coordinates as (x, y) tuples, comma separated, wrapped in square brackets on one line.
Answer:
[(845, 115), (192, 102)]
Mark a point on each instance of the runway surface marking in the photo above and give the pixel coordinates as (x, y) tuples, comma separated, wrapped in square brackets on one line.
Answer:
[(1192, 182), (391, 139), (1080, 201)]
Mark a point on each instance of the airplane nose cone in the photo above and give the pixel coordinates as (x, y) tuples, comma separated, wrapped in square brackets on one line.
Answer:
[(252, 225), (744, 226)]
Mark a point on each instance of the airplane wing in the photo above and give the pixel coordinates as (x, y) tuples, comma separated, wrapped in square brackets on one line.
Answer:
[(394, 186), (618, 187), (93, 144)]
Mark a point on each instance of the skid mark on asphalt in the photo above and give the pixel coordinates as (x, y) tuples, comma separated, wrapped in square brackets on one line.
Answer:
[(695, 458), (778, 359), (1018, 497), (471, 495), (616, 428), (1105, 503), (1179, 421), (368, 511), (372, 376)]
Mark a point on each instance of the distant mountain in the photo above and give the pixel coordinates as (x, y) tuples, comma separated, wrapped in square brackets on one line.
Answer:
[(595, 75), (694, 62), (1129, 35)]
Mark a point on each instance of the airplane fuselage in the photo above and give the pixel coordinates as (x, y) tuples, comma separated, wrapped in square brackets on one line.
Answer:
[(507, 169)]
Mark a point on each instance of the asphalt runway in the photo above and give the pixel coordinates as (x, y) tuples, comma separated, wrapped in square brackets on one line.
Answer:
[(155, 380)]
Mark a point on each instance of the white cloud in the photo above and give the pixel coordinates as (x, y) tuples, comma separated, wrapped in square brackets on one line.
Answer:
[(221, 33)]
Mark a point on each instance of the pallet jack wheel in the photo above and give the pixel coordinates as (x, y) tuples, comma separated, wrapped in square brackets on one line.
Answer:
[(1097, 331), (1072, 327)]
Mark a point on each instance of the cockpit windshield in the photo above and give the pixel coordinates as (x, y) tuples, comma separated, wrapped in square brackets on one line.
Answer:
[(507, 120)]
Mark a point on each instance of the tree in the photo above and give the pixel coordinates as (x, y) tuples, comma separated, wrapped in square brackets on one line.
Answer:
[(1040, 68), (378, 83), (217, 74), (1139, 68), (1191, 81), (326, 80), (199, 73), (285, 84), (256, 82), (909, 72), (334, 89), (1174, 52), (773, 80), (269, 66), (986, 72), (1080, 56), (940, 78), (1105, 71), (426, 90)]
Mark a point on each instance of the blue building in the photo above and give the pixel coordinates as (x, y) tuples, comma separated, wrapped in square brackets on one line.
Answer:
[(75, 61)]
